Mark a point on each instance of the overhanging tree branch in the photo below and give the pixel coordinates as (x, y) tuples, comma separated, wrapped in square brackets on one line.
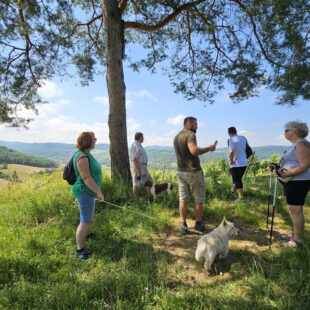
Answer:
[(245, 10), (213, 70), (189, 41), (13, 47), (29, 44), (164, 21), (92, 20), (214, 39)]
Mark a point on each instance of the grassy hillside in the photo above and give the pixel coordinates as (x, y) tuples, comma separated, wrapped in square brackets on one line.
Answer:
[(19, 173), (8, 156), (139, 262)]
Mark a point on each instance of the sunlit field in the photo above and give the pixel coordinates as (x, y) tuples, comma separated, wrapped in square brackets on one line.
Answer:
[(22, 172)]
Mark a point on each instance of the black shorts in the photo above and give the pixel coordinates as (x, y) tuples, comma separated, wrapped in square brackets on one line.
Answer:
[(296, 192), (237, 174)]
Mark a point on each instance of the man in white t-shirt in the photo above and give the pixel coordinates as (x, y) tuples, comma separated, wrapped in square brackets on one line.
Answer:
[(237, 159)]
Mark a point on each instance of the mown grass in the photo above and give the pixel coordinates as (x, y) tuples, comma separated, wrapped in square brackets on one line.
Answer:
[(19, 173), (140, 263)]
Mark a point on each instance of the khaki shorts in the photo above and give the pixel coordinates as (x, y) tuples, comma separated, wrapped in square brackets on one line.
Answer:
[(191, 183), (145, 176)]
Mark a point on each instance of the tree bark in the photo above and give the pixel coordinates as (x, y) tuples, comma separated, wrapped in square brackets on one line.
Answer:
[(120, 166)]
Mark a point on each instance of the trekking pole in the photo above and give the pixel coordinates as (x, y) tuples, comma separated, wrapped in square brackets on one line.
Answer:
[(248, 166), (273, 210), (269, 198)]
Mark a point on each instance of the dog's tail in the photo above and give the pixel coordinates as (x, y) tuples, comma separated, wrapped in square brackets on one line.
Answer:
[(201, 248)]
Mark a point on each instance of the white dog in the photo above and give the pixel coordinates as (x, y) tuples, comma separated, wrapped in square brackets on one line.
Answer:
[(215, 242)]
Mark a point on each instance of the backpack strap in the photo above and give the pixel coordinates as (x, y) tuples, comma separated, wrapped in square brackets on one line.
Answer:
[(80, 157), (245, 139), (83, 155)]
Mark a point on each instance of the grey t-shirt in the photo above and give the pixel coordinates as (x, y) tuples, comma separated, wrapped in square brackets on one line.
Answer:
[(289, 160), (186, 160)]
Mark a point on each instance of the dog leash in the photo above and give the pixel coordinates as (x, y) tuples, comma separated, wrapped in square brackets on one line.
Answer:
[(141, 214), (150, 217)]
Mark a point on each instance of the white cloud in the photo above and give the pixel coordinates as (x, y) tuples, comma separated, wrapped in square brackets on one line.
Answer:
[(52, 125), (55, 129), (246, 133), (143, 93), (44, 109), (177, 120), (132, 96), (105, 101), (50, 90), (128, 103), (102, 100), (132, 125), (165, 139)]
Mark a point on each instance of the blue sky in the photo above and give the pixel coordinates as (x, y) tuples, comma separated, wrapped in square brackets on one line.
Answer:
[(154, 109)]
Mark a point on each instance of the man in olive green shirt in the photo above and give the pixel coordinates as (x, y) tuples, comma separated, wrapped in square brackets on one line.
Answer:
[(189, 173)]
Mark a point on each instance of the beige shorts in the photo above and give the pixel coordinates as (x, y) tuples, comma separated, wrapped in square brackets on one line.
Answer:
[(191, 183), (145, 176)]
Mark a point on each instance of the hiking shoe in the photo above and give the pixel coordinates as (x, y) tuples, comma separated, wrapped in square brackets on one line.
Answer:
[(286, 237), (183, 228), (169, 189), (200, 226), (293, 244), (83, 255)]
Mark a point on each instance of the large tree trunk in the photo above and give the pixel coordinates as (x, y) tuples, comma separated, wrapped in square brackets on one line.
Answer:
[(116, 90)]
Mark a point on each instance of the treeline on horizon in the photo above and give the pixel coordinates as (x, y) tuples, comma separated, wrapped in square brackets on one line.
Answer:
[(51, 155), (8, 156)]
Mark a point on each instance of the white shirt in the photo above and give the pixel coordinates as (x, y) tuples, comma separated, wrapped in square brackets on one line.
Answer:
[(237, 144), (137, 151)]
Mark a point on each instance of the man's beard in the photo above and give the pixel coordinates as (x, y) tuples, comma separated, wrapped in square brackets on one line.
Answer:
[(193, 130)]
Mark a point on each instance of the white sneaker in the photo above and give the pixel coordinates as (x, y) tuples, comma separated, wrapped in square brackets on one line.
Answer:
[(170, 189), (152, 191)]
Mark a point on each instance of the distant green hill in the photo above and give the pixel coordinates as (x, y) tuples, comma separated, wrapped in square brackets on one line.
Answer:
[(164, 156), (8, 156), (159, 156), (60, 152)]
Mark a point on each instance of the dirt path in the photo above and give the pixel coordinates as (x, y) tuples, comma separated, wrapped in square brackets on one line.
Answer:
[(250, 244)]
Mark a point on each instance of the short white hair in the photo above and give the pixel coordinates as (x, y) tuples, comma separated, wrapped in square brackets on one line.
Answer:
[(299, 128)]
